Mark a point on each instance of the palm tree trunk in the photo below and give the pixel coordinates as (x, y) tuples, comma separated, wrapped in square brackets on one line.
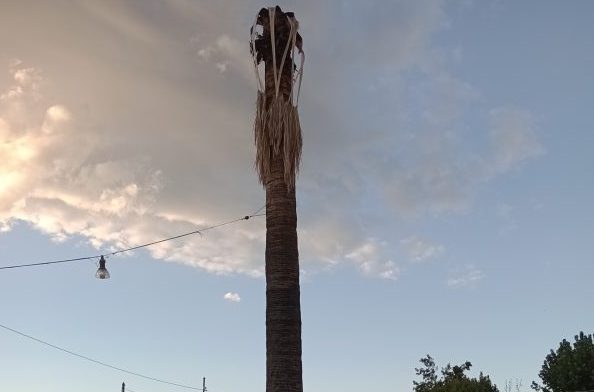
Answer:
[(283, 309)]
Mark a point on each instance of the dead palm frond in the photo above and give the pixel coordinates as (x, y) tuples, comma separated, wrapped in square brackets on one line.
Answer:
[(277, 130)]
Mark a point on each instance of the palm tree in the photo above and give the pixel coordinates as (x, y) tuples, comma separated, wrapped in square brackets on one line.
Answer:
[(278, 145)]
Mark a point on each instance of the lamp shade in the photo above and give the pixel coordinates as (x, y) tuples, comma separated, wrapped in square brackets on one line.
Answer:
[(102, 272)]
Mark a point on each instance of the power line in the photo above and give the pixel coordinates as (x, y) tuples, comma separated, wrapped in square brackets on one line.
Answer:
[(99, 362), (48, 262), (128, 389), (200, 231), (259, 209)]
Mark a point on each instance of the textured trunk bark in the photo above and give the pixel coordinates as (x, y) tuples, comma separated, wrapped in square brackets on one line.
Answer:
[(283, 309)]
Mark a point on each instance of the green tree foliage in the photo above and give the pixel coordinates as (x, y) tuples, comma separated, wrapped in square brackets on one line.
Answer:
[(452, 379), (570, 368)]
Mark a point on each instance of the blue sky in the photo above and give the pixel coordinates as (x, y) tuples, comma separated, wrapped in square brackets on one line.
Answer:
[(444, 194)]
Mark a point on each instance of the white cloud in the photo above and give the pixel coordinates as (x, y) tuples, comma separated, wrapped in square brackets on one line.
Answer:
[(469, 276), (25, 76), (228, 53), (25, 80), (232, 297), (389, 270), (419, 250), (55, 116), (369, 257)]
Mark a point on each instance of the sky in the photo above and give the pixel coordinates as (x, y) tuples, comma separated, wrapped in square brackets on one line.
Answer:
[(444, 197)]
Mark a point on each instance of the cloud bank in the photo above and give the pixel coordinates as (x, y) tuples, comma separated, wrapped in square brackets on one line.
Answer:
[(134, 124)]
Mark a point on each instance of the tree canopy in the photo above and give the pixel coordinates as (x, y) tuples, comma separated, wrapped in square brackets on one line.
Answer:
[(452, 379), (570, 368)]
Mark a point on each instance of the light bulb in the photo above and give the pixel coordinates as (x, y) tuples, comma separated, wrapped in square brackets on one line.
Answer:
[(102, 272)]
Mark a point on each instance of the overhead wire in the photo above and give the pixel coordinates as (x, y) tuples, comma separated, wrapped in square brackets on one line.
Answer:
[(49, 262), (113, 367), (199, 231), (259, 209), (128, 389)]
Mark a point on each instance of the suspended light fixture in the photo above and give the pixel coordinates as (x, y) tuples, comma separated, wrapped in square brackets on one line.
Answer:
[(102, 272)]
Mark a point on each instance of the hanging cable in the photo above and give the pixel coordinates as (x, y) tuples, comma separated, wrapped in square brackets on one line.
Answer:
[(258, 210), (200, 231), (49, 262), (128, 389), (99, 362)]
